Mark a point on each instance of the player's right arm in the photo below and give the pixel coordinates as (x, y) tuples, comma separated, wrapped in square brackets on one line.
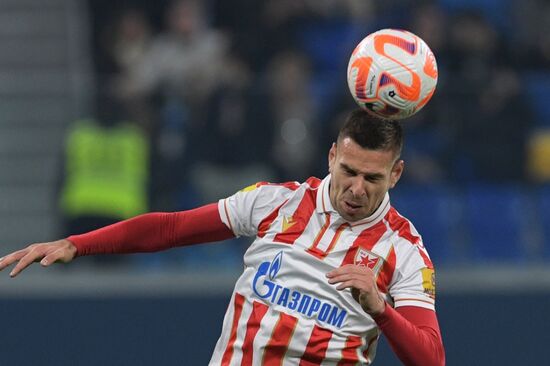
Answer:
[(145, 233), (157, 231)]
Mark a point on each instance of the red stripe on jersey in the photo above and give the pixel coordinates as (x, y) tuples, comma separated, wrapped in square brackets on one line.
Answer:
[(366, 240), (265, 224), (238, 308), (349, 353), (316, 347), (299, 219), (402, 226), (313, 182), (252, 327), (315, 251), (386, 273), (280, 338)]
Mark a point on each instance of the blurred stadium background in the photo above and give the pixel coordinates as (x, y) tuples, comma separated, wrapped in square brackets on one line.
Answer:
[(226, 93)]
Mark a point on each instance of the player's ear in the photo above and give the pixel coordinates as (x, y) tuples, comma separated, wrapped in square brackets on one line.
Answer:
[(396, 172), (331, 157)]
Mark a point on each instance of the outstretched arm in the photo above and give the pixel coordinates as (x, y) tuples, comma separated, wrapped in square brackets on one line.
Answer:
[(154, 232), (145, 233)]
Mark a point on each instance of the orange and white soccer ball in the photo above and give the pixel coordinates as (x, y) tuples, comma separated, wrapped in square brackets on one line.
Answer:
[(392, 73)]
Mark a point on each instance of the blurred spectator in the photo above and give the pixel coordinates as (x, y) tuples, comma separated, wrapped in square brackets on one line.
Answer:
[(274, 26), (487, 114), (429, 22), (106, 170), (122, 41), (132, 38), (125, 43), (176, 77), (293, 111), (186, 60), (531, 34), (237, 135)]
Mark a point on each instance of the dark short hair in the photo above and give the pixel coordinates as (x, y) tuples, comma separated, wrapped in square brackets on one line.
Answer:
[(372, 133)]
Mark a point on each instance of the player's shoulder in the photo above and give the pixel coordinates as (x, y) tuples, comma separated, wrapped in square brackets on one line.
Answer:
[(311, 183), (407, 241), (264, 185), (402, 227)]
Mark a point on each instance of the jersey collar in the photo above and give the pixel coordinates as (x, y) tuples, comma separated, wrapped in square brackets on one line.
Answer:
[(325, 206)]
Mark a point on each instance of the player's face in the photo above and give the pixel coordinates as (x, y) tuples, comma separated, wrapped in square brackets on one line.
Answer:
[(360, 178)]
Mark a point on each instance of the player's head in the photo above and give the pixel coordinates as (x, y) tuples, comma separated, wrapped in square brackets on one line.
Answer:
[(364, 164), (373, 133)]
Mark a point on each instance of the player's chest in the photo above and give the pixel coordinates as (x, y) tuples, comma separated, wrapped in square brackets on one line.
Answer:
[(324, 241)]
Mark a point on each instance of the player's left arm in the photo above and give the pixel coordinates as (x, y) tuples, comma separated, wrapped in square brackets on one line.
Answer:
[(414, 335), (412, 331), (412, 328)]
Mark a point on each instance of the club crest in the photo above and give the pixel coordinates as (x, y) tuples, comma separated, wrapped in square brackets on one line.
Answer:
[(365, 258)]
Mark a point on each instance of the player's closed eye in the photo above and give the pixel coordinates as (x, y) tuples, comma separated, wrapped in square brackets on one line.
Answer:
[(372, 178), (349, 172)]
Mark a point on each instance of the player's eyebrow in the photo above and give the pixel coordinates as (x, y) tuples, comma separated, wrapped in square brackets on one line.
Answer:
[(371, 176)]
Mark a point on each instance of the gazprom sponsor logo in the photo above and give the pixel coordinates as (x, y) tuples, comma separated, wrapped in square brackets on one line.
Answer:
[(265, 287)]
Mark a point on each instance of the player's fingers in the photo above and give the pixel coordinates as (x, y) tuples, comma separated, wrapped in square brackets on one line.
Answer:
[(345, 285), (339, 270), (349, 284), (341, 277), (361, 284), (348, 268), (26, 261), (57, 255), (13, 257)]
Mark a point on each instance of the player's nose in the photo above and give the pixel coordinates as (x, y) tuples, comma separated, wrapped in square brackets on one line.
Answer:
[(357, 187)]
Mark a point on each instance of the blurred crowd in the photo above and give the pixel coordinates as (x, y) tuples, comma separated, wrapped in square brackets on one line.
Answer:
[(230, 92)]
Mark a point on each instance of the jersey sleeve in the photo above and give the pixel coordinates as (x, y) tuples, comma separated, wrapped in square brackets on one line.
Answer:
[(414, 279), (243, 211)]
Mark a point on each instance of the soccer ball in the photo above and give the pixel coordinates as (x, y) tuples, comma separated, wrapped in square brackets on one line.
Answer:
[(392, 73)]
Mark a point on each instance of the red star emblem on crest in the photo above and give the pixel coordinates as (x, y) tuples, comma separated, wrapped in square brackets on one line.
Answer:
[(366, 259)]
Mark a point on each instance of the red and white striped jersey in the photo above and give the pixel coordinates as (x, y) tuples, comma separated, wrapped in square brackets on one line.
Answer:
[(283, 311)]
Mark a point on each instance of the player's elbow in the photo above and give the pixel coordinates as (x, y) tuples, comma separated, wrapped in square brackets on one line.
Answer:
[(436, 355)]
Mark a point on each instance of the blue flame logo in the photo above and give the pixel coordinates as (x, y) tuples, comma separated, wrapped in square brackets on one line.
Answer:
[(276, 265), (262, 286)]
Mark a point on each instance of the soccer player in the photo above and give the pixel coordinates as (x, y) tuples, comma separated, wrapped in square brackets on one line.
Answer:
[(333, 264)]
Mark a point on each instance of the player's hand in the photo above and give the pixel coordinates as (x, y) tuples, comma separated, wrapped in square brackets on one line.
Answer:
[(362, 282), (47, 253)]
